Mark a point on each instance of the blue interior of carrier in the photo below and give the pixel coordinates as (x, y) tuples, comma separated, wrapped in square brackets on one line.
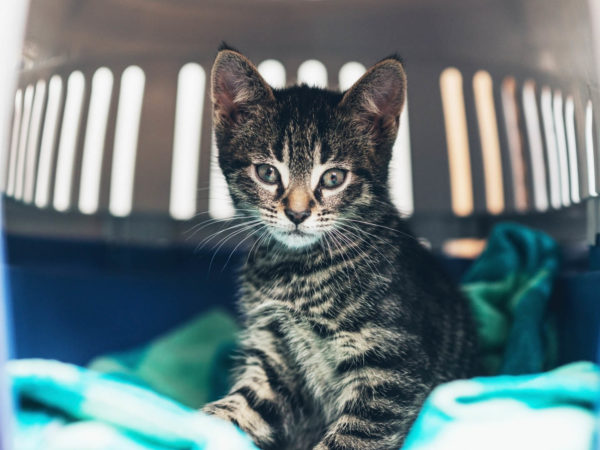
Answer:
[(99, 299), (77, 300)]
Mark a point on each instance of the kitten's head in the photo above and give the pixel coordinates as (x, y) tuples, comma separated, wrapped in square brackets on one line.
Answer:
[(305, 160)]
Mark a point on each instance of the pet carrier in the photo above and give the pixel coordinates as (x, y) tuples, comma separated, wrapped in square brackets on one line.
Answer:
[(109, 176)]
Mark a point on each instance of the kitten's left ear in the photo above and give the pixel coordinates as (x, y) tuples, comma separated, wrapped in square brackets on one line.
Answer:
[(377, 98), (237, 87)]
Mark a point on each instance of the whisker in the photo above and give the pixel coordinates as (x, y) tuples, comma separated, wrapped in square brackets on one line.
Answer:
[(225, 239), (212, 236), (240, 243), (255, 244), (345, 219), (354, 232), (200, 226)]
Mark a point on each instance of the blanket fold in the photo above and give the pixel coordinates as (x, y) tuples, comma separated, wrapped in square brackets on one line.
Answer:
[(550, 411), (95, 410), (509, 287)]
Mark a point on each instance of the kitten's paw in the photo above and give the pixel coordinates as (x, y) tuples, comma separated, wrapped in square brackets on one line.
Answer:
[(219, 409), (347, 442), (235, 409)]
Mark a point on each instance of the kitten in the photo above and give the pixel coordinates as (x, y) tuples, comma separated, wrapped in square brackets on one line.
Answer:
[(349, 323)]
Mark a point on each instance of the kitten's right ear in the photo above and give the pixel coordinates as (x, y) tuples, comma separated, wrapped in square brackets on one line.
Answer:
[(237, 88)]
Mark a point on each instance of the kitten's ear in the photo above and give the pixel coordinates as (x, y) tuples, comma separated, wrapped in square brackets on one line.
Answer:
[(237, 87), (377, 98)]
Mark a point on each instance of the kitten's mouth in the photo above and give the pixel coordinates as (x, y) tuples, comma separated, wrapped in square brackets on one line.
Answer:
[(296, 238)]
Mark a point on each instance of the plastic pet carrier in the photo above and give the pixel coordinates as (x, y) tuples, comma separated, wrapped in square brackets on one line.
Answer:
[(114, 206)]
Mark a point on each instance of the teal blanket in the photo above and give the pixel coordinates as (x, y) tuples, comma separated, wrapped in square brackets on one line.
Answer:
[(550, 411), (147, 398), (83, 409), (509, 288)]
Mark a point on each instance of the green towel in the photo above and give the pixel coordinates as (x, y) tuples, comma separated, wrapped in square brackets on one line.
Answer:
[(190, 364), (509, 287)]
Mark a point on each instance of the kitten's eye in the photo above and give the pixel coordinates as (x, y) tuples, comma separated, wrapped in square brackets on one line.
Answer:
[(267, 173), (333, 178)]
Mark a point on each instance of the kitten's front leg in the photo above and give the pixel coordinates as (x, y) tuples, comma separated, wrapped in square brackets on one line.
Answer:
[(375, 413), (259, 402)]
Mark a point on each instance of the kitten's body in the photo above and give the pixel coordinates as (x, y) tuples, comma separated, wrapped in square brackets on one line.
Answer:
[(345, 336)]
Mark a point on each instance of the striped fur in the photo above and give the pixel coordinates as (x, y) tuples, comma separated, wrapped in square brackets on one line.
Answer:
[(346, 334)]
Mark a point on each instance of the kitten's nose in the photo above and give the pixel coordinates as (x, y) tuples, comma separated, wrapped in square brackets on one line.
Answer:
[(297, 205), (297, 217)]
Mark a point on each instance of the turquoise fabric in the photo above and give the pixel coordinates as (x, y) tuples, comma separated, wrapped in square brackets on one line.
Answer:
[(550, 411), (509, 287), (84, 409)]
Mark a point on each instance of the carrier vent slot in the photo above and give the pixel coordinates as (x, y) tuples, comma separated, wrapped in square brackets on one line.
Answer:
[(490, 142), (349, 74), (401, 182), (551, 147), (191, 84), (457, 141), (589, 148), (14, 145), (273, 72), (561, 145), (95, 139), (313, 73), (131, 96), (220, 205), (68, 141), (572, 149), (51, 121), (24, 132), (33, 140), (516, 153), (536, 146)]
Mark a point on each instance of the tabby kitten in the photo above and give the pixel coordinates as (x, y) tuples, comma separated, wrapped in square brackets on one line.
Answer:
[(349, 323)]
